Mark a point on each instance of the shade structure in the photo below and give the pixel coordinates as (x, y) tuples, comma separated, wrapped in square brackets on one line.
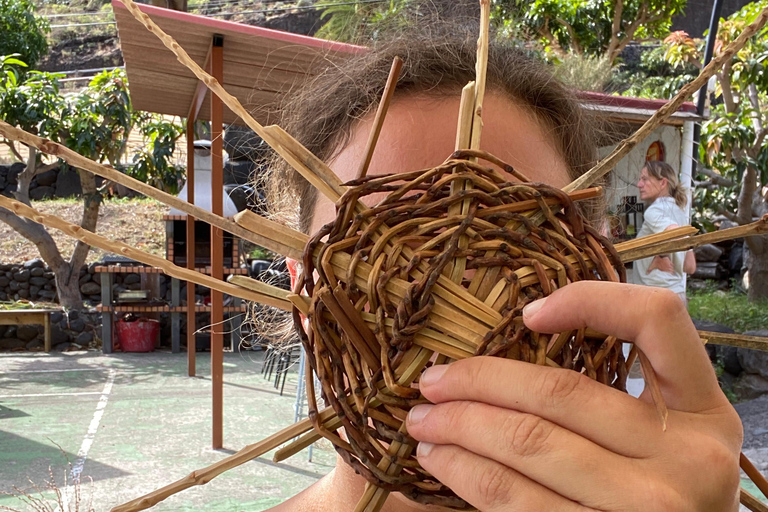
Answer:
[(259, 64)]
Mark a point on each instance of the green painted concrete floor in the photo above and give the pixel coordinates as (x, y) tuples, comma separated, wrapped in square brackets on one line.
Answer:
[(151, 428)]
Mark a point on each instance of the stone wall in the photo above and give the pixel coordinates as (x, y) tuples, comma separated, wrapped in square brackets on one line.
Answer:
[(59, 182), (33, 280), (71, 330)]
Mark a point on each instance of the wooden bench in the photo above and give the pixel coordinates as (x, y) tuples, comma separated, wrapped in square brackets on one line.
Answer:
[(29, 317)]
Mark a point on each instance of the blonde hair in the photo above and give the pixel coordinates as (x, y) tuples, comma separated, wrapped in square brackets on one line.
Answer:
[(675, 189)]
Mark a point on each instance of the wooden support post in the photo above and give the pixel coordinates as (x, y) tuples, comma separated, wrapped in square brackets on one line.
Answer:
[(217, 243), (47, 331), (175, 315), (106, 313), (191, 345), (236, 324)]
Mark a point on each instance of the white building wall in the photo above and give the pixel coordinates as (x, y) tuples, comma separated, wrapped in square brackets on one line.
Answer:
[(623, 179)]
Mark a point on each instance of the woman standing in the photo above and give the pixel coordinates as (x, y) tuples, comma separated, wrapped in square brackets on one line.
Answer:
[(660, 186)]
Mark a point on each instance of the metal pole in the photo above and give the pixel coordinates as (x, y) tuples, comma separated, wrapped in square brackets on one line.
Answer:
[(701, 101)]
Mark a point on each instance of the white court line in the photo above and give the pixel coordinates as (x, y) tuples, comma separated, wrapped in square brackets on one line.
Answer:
[(33, 395), (82, 454), (55, 371)]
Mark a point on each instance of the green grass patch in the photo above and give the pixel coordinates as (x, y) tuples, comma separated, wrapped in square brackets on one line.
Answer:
[(730, 308)]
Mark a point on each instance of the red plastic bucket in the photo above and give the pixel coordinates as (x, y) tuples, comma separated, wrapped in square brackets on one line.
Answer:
[(137, 336)]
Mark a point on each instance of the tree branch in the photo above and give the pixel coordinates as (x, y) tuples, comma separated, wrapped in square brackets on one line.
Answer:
[(728, 215), (15, 151), (91, 202), (547, 34), (630, 32), (615, 27), (716, 178), (575, 46), (747, 194), (757, 121), (25, 177), (36, 234), (725, 85)]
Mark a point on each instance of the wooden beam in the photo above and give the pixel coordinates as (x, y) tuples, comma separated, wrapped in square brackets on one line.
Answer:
[(217, 244), (200, 91), (190, 247)]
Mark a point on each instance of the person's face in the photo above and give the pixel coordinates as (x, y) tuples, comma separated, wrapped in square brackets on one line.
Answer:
[(420, 132), (650, 188)]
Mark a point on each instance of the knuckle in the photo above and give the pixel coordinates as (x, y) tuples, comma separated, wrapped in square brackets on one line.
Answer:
[(447, 422), (473, 373), (664, 303), (723, 462), (527, 435), (663, 497), (495, 486), (560, 386)]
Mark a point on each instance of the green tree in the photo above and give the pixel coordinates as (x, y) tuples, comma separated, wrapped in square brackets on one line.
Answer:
[(596, 28), (734, 143), (95, 122), (362, 20), (22, 32), (153, 163)]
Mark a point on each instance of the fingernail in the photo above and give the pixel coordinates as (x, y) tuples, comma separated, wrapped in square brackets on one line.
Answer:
[(432, 374), (423, 449), (531, 309), (417, 414)]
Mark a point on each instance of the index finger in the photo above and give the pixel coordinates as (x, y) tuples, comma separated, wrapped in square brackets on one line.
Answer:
[(653, 318)]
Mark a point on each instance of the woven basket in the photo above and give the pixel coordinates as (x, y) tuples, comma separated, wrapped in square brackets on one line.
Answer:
[(439, 269)]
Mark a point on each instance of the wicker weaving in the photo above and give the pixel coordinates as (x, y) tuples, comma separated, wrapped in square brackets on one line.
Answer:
[(381, 296)]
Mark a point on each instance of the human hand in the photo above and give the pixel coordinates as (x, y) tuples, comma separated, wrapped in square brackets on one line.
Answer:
[(513, 436), (663, 263)]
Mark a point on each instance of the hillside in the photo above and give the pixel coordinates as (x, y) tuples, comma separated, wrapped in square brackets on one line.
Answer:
[(117, 221), (84, 37)]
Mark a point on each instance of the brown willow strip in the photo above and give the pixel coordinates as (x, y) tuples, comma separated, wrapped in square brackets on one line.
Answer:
[(261, 288), (54, 149), (670, 234), (381, 113), (756, 476), (751, 502), (276, 231), (122, 249), (606, 164), (532, 204), (205, 475), (735, 340), (759, 227)]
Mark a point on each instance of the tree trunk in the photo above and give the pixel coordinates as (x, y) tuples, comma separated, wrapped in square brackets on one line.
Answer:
[(67, 273), (757, 266), (68, 286)]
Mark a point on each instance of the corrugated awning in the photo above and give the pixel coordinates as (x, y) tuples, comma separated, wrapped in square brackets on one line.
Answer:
[(259, 64)]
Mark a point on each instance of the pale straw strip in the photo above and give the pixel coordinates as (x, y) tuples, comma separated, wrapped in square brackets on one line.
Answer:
[(265, 239), (122, 249)]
